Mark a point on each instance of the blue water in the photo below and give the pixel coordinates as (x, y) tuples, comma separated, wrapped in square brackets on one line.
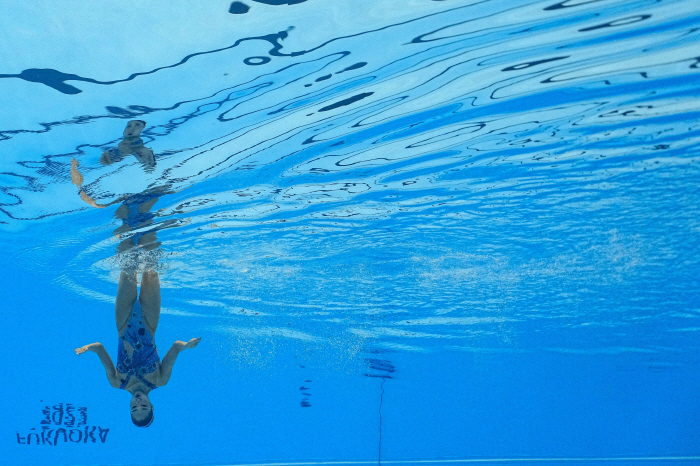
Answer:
[(407, 232)]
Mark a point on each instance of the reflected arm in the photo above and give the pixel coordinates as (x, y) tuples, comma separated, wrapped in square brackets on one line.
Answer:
[(101, 352), (77, 179)]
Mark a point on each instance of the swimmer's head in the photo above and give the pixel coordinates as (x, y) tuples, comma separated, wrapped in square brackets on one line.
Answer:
[(141, 410), (134, 128)]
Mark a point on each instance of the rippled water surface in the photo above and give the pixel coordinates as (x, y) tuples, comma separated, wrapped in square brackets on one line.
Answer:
[(468, 198)]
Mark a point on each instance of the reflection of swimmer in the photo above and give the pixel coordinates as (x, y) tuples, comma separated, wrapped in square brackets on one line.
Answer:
[(135, 211), (77, 179), (132, 144), (139, 368)]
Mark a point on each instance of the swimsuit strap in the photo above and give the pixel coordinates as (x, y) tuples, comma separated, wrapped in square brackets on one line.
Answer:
[(146, 382)]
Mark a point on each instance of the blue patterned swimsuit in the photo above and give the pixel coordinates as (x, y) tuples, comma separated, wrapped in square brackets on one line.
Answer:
[(144, 358), (135, 218)]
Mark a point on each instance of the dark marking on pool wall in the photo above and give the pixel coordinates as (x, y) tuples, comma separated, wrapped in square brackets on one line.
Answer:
[(238, 8), (344, 102), (521, 66), (323, 78), (617, 22), (380, 368)]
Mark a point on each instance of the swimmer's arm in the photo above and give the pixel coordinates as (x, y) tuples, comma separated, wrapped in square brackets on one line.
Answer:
[(85, 197), (77, 179), (100, 350), (166, 366)]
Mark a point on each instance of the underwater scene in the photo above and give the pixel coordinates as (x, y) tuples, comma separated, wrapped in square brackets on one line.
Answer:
[(350, 232)]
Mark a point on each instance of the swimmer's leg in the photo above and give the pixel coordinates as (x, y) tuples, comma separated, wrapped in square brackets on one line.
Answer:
[(150, 299), (126, 296), (149, 241), (121, 212), (148, 205), (125, 245)]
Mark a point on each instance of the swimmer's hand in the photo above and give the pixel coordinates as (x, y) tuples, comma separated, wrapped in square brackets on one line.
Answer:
[(104, 158), (91, 347), (181, 345)]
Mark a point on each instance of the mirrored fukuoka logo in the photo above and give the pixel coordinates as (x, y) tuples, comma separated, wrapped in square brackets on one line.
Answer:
[(63, 423)]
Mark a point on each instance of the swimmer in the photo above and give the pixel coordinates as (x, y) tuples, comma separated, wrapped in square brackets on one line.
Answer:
[(139, 369), (135, 209), (132, 144)]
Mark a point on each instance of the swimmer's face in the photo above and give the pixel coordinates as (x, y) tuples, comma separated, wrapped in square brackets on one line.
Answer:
[(140, 406), (134, 128)]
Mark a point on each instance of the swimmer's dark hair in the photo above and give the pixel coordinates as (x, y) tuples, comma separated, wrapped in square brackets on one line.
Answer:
[(141, 121), (144, 422)]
